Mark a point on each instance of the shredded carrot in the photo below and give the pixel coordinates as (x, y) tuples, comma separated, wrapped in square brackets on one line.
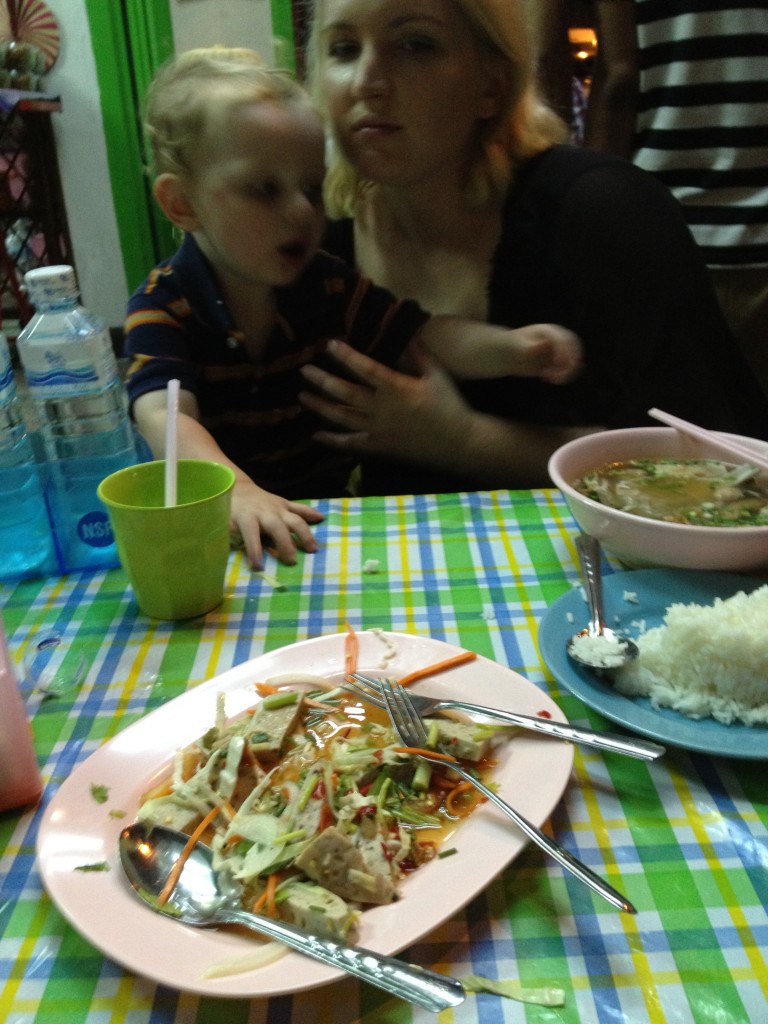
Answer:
[(271, 886), (265, 689), (267, 898), (441, 782), (450, 799), (351, 649), (178, 867), (439, 666), (259, 902), (425, 753)]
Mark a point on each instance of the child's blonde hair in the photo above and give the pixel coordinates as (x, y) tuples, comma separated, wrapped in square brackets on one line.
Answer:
[(523, 127), (201, 84)]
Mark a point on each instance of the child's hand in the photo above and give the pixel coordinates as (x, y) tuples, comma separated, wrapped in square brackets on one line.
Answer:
[(549, 351), (259, 516)]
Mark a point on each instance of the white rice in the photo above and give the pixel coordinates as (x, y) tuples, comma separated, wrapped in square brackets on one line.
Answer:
[(599, 651), (706, 660)]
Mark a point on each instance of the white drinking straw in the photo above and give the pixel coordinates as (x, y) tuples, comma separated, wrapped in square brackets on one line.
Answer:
[(726, 447), (171, 442)]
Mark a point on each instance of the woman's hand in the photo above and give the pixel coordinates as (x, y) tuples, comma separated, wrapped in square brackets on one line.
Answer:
[(387, 412), (426, 420), (257, 516)]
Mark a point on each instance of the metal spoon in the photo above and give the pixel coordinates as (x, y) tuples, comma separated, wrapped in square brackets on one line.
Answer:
[(607, 649), (148, 852)]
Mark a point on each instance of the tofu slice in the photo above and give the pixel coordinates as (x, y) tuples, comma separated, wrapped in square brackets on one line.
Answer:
[(459, 739), (333, 860), (268, 729), (172, 813), (315, 908)]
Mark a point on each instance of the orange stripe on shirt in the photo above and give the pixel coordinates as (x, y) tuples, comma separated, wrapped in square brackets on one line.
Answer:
[(361, 290), (353, 306), (141, 360), (150, 316), (154, 275)]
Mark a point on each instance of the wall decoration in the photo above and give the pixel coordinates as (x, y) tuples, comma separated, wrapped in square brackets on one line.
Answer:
[(30, 22)]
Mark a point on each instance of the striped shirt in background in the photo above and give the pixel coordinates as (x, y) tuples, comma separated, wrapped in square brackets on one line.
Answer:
[(702, 125)]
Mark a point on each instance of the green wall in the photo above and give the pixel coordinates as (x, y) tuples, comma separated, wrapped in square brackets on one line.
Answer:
[(131, 38)]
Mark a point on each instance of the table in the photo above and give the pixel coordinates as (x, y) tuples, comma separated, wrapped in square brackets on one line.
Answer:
[(685, 838)]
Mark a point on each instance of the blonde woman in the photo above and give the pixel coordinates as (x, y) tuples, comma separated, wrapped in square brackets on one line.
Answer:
[(449, 186)]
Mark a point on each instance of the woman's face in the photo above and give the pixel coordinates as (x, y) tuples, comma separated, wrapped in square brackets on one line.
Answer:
[(405, 86)]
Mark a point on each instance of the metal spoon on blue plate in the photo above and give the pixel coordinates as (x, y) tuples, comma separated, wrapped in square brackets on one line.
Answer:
[(597, 646)]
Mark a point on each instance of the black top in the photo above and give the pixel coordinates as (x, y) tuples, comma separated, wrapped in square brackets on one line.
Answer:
[(592, 242)]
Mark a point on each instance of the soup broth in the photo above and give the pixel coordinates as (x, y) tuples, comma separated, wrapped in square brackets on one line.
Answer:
[(704, 492)]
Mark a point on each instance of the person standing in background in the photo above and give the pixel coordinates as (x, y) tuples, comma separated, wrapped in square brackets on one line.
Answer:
[(565, 90), (681, 88)]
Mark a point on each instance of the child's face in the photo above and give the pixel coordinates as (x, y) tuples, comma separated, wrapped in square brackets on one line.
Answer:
[(257, 194)]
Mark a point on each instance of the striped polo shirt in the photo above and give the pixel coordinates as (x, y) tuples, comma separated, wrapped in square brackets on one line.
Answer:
[(702, 124), (178, 326)]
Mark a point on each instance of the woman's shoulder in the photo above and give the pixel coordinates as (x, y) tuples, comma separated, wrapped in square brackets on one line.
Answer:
[(585, 187), (557, 168)]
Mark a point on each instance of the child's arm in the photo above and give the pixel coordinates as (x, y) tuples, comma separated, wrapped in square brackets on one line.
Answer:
[(256, 513), (473, 350)]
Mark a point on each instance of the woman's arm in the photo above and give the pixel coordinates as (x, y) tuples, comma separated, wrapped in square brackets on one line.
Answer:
[(256, 513)]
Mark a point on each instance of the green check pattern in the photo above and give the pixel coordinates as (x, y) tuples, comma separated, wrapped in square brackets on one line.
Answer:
[(686, 839)]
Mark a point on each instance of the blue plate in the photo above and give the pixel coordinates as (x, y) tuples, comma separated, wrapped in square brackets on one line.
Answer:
[(655, 589)]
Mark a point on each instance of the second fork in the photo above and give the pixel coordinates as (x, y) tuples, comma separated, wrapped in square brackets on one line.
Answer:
[(631, 746), (411, 732)]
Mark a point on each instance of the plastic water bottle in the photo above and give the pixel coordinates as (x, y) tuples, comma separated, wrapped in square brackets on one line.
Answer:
[(81, 404), (26, 542), (20, 781)]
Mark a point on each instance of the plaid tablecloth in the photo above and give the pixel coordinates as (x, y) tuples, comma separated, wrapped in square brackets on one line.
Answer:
[(684, 838)]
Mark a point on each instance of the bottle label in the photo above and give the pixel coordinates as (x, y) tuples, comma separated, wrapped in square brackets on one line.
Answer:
[(95, 530), (71, 367)]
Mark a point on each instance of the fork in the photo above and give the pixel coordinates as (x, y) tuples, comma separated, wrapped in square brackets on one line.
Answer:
[(411, 732), (644, 750)]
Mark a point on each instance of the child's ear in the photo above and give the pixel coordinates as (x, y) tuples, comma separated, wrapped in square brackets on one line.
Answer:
[(171, 195)]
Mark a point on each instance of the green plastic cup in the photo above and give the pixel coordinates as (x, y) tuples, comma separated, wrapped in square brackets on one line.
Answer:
[(175, 556)]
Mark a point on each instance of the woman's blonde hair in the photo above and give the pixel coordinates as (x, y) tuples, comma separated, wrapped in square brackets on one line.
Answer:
[(198, 85), (523, 127)]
